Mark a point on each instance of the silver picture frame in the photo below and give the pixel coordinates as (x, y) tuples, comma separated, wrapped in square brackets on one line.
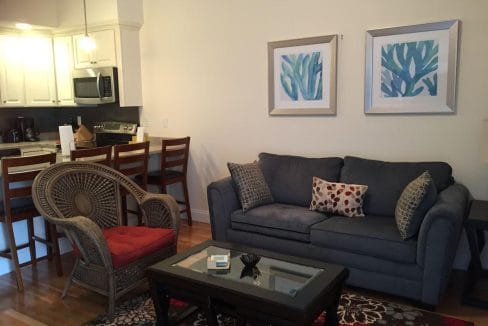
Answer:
[(302, 76), (412, 69)]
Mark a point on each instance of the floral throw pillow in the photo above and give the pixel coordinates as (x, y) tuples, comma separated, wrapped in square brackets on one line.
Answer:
[(338, 198), (252, 189)]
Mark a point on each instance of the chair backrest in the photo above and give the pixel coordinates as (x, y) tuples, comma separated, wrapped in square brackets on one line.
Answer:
[(102, 155), (174, 154), (132, 160), (82, 188), (18, 174)]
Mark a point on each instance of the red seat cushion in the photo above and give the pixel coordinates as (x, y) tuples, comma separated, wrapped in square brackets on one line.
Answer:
[(129, 243)]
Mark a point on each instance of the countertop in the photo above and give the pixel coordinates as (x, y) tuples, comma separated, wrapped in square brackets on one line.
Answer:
[(49, 146)]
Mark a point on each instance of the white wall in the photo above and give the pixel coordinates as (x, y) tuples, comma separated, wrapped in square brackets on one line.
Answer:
[(204, 66)]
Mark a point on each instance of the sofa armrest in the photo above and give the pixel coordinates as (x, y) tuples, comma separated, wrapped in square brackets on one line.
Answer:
[(222, 201), (439, 238)]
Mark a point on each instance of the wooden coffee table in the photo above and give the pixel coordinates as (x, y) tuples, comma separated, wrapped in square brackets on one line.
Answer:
[(279, 290)]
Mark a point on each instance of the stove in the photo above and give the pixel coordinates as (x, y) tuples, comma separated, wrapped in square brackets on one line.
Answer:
[(114, 133)]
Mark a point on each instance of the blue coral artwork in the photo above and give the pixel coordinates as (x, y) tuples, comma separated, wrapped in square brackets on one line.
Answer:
[(301, 76), (409, 69)]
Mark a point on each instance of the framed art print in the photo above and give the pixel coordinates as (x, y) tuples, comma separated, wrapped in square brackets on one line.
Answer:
[(302, 76), (412, 69)]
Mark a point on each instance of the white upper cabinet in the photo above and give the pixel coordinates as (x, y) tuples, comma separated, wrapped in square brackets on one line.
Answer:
[(40, 85), (64, 64), (26, 71), (104, 54), (12, 91)]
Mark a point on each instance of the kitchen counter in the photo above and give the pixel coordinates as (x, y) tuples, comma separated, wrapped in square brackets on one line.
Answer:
[(49, 146)]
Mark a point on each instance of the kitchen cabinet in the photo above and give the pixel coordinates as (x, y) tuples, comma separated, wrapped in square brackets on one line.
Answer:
[(64, 65), (11, 71), (39, 78), (104, 55), (26, 71)]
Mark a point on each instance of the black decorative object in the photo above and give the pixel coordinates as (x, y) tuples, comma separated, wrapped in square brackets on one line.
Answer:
[(251, 271), (249, 260)]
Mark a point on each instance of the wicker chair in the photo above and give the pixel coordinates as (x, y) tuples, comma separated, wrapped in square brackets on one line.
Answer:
[(84, 200)]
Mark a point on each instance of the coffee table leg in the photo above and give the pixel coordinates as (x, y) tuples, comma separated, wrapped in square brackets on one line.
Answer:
[(160, 301), (331, 317), (211, 314)]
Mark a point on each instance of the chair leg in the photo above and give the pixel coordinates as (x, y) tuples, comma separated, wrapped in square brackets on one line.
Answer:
[(111, 296), (187, 201), (48, 238), (32, 242), (13, 252), (55, 248)]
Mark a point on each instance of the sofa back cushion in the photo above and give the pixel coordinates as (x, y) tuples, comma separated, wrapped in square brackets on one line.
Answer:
[(290, 177), (386, 180)]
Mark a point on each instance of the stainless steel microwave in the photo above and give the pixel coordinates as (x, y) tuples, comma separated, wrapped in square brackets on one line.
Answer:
[(95, 85)]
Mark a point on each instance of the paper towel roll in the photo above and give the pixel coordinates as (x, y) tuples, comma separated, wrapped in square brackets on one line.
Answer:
[(67, 140), (140, 134)]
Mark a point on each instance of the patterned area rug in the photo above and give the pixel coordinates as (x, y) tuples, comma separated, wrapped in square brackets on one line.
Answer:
[(354, 310)]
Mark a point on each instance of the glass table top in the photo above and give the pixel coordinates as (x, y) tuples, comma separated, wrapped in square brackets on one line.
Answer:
[(271, 274)]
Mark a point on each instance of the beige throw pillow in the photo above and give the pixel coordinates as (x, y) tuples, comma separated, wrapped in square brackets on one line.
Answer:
[(338, 198)]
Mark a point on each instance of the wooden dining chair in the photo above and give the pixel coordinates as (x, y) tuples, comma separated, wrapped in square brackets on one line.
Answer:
[(18, 174), (174, 166), (102, 155), (132, 160)]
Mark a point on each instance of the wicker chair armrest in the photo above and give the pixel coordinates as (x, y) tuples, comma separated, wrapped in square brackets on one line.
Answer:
[(161, 211), (87, 236)]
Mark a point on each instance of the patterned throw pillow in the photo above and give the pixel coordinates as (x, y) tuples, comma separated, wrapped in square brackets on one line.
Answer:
[(415, 200), (339, 198), (252, 189)]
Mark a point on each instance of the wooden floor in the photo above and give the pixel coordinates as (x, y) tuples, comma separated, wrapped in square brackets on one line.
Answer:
[(40, 304)]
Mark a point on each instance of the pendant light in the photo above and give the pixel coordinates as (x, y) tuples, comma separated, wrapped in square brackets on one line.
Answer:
[(87, 43)]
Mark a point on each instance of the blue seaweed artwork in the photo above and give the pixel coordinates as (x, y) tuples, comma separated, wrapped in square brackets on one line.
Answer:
[(301, 76), (409, 69)]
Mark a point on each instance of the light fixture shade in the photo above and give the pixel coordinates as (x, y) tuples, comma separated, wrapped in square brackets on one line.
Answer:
[(87, 43), (484, 141), (23, 26)]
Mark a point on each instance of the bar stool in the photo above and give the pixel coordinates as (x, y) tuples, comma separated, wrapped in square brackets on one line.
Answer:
[(102, 155), (18, 174), (132, 160), (174, 164)]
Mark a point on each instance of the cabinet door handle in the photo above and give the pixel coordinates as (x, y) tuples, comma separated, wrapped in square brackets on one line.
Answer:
[(54, 101), (4, 101)]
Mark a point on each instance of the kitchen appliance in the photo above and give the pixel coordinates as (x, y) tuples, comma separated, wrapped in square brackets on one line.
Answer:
[(95, 85), (114, 133), (26, 129), (11, 136)]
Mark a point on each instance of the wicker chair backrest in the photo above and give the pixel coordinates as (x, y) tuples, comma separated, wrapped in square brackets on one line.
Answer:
[(92, 190)]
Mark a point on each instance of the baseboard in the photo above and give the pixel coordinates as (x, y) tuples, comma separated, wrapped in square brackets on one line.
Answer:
[(200, 215)]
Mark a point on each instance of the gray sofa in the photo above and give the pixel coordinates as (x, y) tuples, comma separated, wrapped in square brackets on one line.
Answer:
[(370, 246)]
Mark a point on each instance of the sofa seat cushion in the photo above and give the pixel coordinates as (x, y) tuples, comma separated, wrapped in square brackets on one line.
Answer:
[(290, 177), (376, 236), (386, 180), (278, 220)]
